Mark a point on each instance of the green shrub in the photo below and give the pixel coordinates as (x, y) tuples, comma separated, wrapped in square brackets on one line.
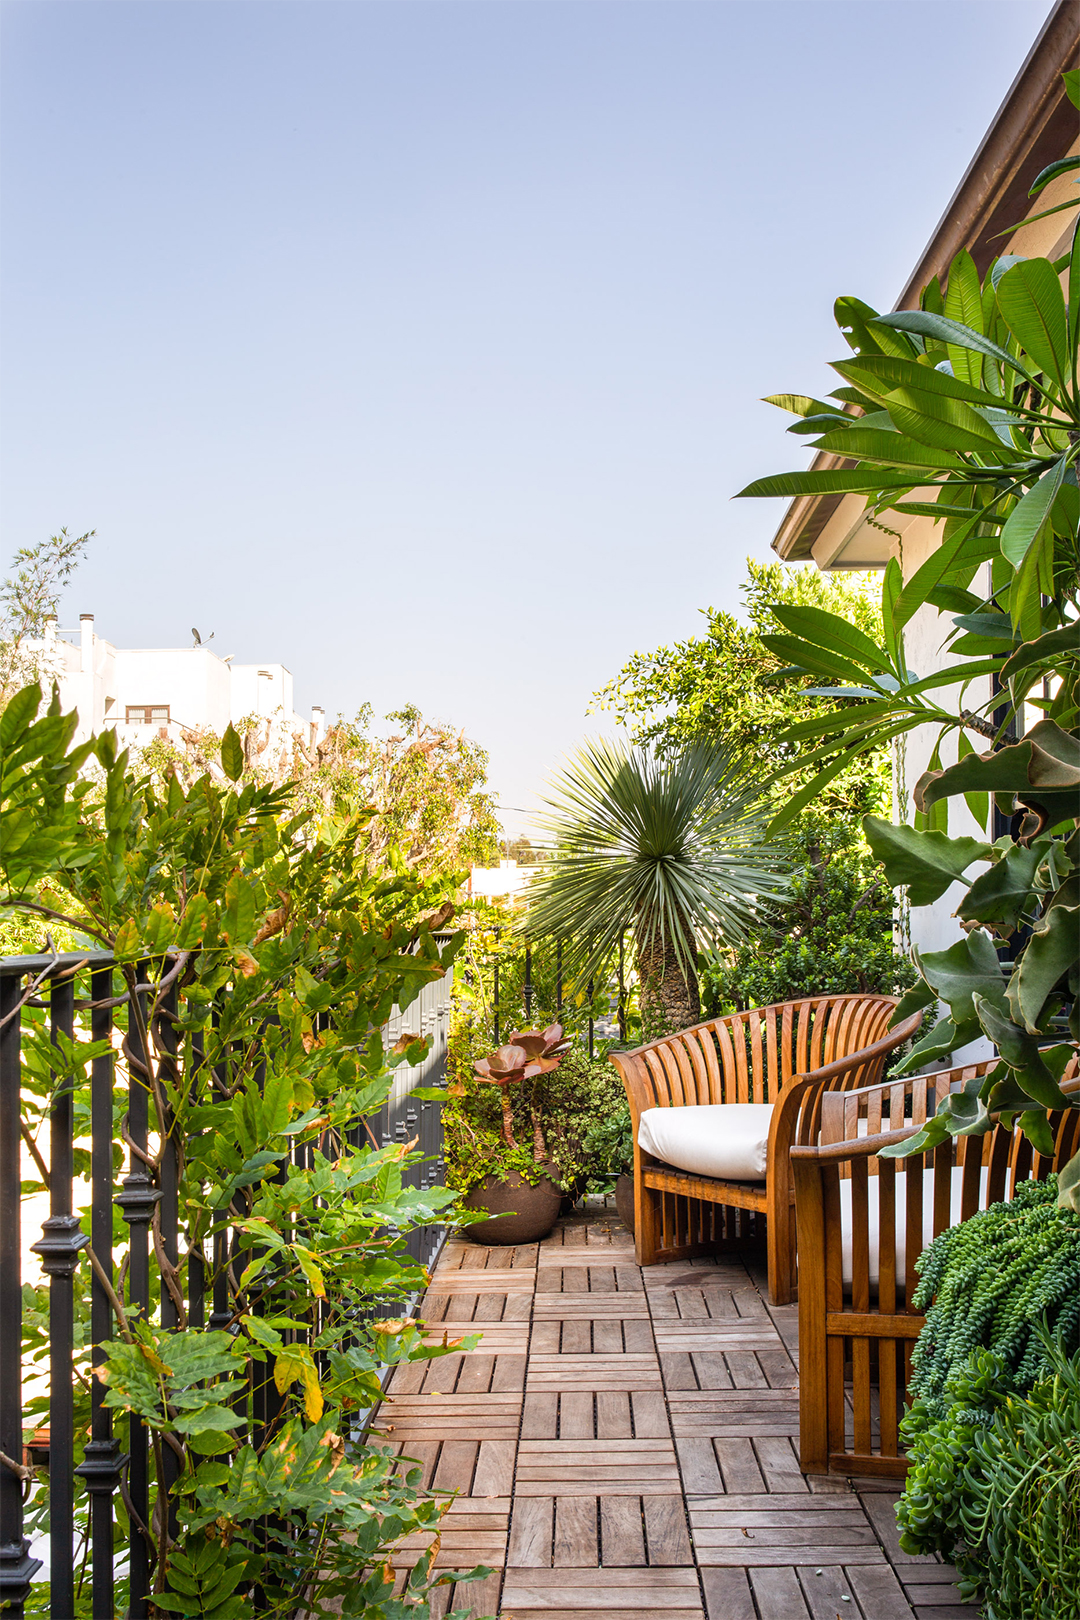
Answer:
[(998, 1489), (609, 1146), (991, 1383), (834, 937)]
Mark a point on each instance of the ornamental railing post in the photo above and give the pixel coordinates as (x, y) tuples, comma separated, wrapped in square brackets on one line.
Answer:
[(62, 1238), (17, 1568), (137, 1201), (102, 1463)]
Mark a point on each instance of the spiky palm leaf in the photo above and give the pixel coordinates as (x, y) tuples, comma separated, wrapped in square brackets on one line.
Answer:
[(668, 845)]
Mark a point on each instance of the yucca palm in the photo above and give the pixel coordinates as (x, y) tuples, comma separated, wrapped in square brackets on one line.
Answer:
[(666, 846)]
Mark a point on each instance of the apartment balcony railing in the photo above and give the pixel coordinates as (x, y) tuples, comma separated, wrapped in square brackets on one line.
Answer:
[(74, 1243)]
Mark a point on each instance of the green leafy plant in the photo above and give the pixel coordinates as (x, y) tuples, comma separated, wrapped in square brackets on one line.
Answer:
[(987, 1282), (995, 1486), (666, 846), (973, 400), (268, 957), (726, 687), (609, 1146), (834, 935), (1002, 1296)]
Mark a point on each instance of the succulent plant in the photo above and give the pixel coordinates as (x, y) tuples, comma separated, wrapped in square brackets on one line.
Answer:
[(528, 1053)]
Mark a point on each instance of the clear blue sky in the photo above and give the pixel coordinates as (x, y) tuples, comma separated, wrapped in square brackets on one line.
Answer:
[(419, 345)]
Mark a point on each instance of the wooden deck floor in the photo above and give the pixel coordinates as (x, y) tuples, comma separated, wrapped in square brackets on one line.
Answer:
[(624, 1442)]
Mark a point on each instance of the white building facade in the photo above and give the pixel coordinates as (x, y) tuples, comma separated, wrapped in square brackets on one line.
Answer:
[(146, 692)]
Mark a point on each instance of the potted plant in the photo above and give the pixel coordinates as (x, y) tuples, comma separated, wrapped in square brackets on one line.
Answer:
[(609, 1146), (516, 1188)]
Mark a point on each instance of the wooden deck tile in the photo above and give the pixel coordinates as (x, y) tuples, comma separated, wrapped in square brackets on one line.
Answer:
[(512, 1336), (596, 1307), (715, 1413), (407, 1418), (707, 1335), (484, 1282), (622, 1531), (593, 1372), (602, 1594), (597, 1468)]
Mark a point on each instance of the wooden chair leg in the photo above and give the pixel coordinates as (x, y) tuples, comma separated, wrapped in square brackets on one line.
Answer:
[(646, 1222), (780, 1247)]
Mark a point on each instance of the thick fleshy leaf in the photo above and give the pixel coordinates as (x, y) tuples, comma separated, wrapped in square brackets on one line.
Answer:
[(969, 968), (1043, 768), (1050, 954), (1002, 895), (925, 862), (1046, 649), (1022, 1052), (938, 1043)]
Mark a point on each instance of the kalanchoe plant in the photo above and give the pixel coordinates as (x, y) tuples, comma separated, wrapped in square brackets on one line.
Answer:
[(529, 1053), (974, 398)]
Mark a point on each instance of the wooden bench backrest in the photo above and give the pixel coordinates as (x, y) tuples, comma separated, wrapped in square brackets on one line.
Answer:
[(750, 1057), (839, 1324)]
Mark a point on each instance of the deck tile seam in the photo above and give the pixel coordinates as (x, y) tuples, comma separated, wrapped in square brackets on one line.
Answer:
[(678, 1459)]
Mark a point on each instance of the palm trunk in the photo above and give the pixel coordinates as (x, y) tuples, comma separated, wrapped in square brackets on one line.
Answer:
[(670, 999)]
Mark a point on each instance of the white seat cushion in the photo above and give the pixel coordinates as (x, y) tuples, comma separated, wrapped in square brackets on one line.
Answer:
[(901, 1218), (729, 1140)]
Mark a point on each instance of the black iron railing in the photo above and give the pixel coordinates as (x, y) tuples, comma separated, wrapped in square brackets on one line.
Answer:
[(78, 994)]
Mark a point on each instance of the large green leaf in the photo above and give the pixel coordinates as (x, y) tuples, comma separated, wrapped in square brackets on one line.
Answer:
[(1022, 1052), (969, 968), (805, 655), (925, 862), (946, 331), (1002, 895), (949, 424), (800, 404), (828, 481), (963, 303), (1030, 299), (830, 631), (1028, 520), (1050, 954), (888, 449), (880, 375)]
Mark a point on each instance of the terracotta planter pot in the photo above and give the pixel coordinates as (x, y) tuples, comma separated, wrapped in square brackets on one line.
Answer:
[(624, 1200), (536, 1209)]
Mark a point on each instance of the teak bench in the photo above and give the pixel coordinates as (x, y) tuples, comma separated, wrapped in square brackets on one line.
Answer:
[(854, 1220), (790, 1055)]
